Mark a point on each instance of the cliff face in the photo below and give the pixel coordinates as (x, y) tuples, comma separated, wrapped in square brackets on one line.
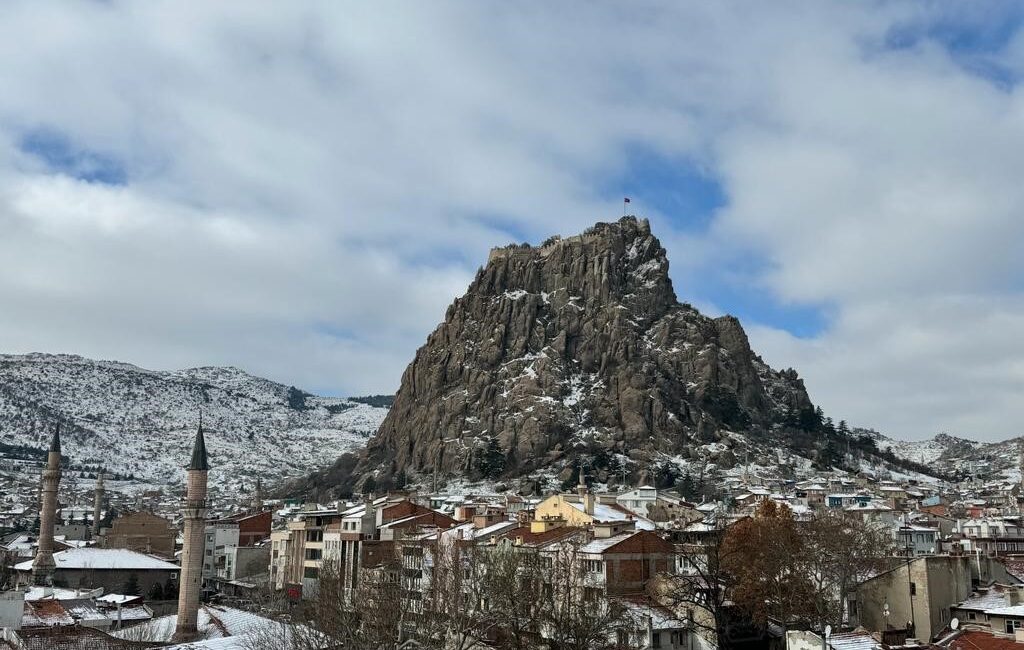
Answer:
[(576, 344)]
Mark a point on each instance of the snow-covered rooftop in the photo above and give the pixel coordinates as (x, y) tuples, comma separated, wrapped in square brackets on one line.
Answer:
[(103, 558)]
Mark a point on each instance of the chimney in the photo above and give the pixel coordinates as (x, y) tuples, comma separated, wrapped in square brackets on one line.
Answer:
[(194, 513), (43, 565), (369, 516)]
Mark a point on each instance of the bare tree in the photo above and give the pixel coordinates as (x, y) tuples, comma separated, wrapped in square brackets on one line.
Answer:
[(370, 620), (514, 582), (839, 553), (8, 576), (577, 613), (700, 587), (454, 611)]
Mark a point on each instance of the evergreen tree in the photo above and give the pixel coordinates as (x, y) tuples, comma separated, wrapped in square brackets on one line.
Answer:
[(492, 460), (828, 427), (809, 420), (686, 486), (843, 429), (369, 485), (131, 586)]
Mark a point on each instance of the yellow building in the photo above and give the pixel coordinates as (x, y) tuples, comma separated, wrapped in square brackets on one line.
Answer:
[(578, 510)]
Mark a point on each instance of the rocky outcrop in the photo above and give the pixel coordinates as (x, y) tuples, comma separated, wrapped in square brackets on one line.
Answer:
[(579, 343)]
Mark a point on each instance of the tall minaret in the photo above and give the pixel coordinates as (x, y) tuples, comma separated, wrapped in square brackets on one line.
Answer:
[(43, 565), (97, 505), (194, 512), (257, 498)]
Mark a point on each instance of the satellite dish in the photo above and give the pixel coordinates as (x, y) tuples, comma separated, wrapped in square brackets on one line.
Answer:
[(954, 624), (828, 631)]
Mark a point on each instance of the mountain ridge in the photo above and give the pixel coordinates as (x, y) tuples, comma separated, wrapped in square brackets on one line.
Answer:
[(139, 422)]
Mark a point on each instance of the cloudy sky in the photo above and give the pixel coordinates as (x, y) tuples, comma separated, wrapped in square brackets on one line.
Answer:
[(300, 189)]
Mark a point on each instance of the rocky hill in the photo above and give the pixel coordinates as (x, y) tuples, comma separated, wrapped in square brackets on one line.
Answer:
[(577, 349), (140, 422)]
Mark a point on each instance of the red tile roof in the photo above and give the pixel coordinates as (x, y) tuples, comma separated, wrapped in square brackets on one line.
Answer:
[(974, 640), (546, 537)]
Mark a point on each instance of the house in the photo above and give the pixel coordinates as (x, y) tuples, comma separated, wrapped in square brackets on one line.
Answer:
[(339, 533), (660, 628), (856, 640), (142, 532), (847, 499), (581, 510), (973, 611), (1007, 621), (657, 505), (920, 594), (986, 535), (297, 551), (623, 563), (870, 511), (253, 527), (915, 541), (813, 494)]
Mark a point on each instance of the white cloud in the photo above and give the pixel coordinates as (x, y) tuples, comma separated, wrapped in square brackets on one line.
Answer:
[(308, 187)]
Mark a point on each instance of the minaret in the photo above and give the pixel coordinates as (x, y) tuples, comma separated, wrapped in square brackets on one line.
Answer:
[(586, 498), (194, 513), (257, 499), (97, 505), (43, 565)]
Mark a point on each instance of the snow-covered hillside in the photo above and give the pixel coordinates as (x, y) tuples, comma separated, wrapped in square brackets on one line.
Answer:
[(141, 422), (952, 455)]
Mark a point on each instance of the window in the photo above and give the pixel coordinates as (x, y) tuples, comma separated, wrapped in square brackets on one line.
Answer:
[(311, 572), (913, 588), (970, 616), (593, 566), (656, 639), (313, 554)]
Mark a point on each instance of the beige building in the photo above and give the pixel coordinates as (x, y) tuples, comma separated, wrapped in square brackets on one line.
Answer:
[(143, 532), (921, 592), (581, 510), (297, 551)]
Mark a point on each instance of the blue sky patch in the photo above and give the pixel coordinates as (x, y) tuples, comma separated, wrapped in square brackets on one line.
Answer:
[(687, 194), (61, 156), (975, 36)]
